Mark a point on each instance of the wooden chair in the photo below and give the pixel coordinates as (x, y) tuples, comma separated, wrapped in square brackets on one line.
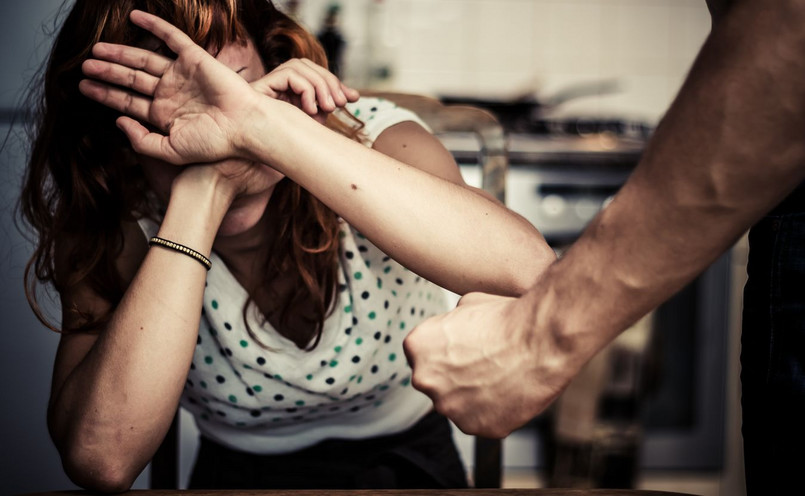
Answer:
[(493, 160)]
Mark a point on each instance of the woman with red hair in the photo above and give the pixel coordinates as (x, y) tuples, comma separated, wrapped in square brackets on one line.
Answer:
[(257, 253)]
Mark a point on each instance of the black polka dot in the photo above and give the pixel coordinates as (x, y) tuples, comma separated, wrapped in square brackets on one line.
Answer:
[(363, 249), (220, 413), (399, 281), (323, 363), (291, 410), (417, 279), (356, 359), (249, 391), (342, 287), (268, 376), (370, 397), (374, 369), (348, 331), (421, 313), (237, 374), (261, 361), (386, 258), (228, 351), (255, 413), (413, 311), (335, 408), (190, 383), (349, 255), (378, 335), (345, 391), (298, 417), (192, 401), (393, 376), (365, 295), (387, 339), (354, 409), (330, 380), (373, 109), (386, 304), (220, 379), (192, 366), (198, 340), (279, 397), (354, 320)]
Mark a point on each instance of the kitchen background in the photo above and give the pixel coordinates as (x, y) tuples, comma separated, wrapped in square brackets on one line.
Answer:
[(621, 60)]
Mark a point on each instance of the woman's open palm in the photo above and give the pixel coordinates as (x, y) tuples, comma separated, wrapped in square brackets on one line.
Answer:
[(195, 100)]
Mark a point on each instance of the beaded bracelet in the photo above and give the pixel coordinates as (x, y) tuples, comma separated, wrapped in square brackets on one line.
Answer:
[(182, 249)]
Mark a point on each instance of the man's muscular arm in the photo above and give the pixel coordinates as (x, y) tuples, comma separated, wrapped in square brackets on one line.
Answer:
[(731, 146)]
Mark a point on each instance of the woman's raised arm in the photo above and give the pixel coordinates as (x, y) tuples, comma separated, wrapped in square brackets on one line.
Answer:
[(420, 214)]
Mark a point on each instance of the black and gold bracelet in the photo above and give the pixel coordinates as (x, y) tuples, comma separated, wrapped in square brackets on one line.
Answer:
[(181, 249)]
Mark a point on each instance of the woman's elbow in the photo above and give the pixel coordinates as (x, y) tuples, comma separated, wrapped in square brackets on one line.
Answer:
[(98, 471), (534, 260)]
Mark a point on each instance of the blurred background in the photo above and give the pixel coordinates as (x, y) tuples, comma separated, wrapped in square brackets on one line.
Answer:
[(578, 86)]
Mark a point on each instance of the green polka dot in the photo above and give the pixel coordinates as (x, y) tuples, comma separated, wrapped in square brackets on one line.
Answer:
[(204, 416), (359, 341), (358, 276), (357, 112), (347, 308), (372, 315), (406, 381), (258, 388), (379, 283), (333, 363), (378, 403), (214, 305), (244, 343), (233, 398), (300, 403), (352, 378), (360, 379), (392, 357), (203, 384), (387, 270), (247, 366), (241, 424), (394, 292), (359, 235), (429, 296), (208, 359), (337, 349), (402, 325), (388, 324), (368, 264), (277, 377), (309, 377), (205, 400), (276, 419), (383, 387)]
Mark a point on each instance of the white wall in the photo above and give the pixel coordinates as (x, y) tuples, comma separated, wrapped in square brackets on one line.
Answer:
[(504, 48)]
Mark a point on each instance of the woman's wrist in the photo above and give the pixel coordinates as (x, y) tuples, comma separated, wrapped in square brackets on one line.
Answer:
[(199, 199)]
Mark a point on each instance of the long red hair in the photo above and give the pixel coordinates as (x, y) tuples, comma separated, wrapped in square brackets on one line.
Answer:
[(83, 181)]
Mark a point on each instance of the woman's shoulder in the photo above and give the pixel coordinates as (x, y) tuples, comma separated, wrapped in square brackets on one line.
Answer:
[(379, 114)]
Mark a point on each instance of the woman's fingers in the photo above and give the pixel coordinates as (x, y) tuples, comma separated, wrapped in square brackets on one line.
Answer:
[(148, 143), (176, 40), (119, 99), (136, 58), (109, 72)]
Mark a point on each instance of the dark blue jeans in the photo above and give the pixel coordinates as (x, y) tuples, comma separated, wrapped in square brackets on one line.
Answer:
[(773, 352)]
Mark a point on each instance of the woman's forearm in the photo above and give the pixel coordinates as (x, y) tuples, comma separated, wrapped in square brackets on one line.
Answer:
[(112, 411), (446, 233)]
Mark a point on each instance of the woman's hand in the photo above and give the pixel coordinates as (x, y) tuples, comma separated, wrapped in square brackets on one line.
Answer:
[(201, 104), (197, 100), (307, 86)]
